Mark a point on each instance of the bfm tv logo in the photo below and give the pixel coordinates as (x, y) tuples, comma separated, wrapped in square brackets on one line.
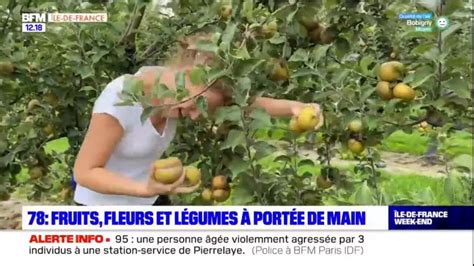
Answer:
[(34, 17)]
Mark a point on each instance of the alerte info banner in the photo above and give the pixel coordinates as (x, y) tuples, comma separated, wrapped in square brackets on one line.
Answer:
[(232, 235)]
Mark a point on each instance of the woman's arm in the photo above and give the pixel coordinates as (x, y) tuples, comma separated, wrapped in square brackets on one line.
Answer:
[(278, 108), (103, 135)]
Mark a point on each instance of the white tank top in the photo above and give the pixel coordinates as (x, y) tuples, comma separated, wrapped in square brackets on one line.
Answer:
[(140, 145)]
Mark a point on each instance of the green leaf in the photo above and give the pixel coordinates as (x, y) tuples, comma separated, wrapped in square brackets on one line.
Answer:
[(228, 113), (419, 80), (453, 28), (319, 52), (127, 102), (426, 196), (85, 72), (133, 86), (283, 158), (201, 103), (7, 159), (245, 67), (291, 16), (234, 139), (3, 146), (422, 48), (455, 5), (242, 53), (147, 111), (464, 161), (228, 35), (87, 88), (98, 55), (286, 50), (20, 56), (306, 162), (453, 187), (181, 91), (207, 46), (242, 195), (237, 166), (341, 76), (459, 86), (247, 9), (364, 64), (161, 91), (242, 91), (367, 93), (342, 46), (263, 149), (197, 75), (432, 54), (303, 72), (215, 74), (363, 196), (300, 55), (277, 39), (261, 119), (74, 58)]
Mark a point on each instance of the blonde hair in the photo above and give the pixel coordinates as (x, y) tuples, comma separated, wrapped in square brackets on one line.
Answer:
[(186, 52)]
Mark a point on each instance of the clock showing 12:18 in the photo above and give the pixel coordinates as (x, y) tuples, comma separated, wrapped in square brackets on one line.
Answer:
[(33, 27)]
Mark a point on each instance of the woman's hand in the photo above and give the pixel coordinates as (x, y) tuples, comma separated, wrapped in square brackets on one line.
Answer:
[(153, 188), (296, 110)]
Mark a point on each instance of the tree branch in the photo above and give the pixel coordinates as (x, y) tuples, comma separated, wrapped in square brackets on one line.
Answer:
[(130, 33), (409, 124), (191, 98)]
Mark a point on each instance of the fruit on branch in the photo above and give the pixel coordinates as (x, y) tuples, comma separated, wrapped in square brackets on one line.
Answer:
[(269, 29), (193, 175), (309, 22), (323, 182), (33, 104), (315, 34), (219, 182), (355, 146), (226, 12), (355, 126), (307, 118), (404, 92), (391, 71), (168, 170), (6, 68), (206, 195), (36, 172), (294, 126), (220, 195), (384, 91), (327, 35), (279, 72), (49, 129)]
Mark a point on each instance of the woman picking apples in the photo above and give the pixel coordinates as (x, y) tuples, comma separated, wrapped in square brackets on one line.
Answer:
[(116, 162)]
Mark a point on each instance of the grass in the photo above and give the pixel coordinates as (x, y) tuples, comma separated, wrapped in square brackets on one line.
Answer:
[(402, 142), (417, 187), (414, 187), (417, 144)]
